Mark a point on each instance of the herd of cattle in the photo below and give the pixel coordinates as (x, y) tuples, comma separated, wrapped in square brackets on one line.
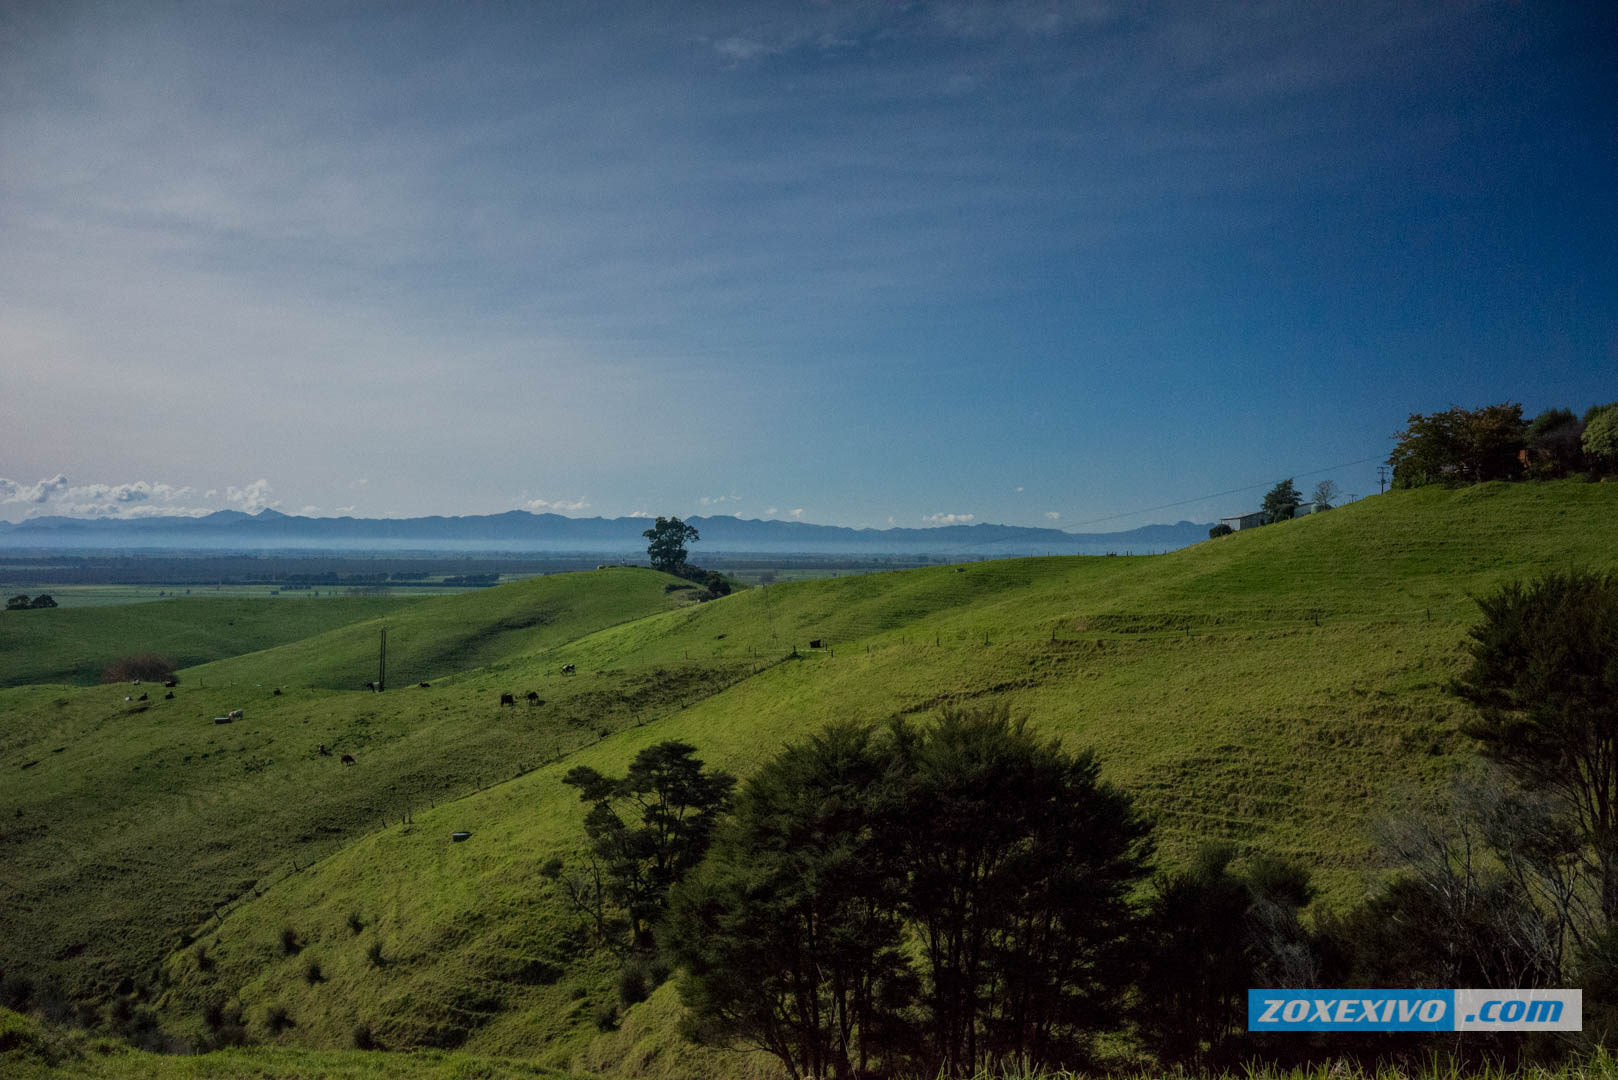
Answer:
[(234, 715)]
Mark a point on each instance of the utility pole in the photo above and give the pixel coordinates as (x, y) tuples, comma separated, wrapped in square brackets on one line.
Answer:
[(1382, 477), (382, 662)]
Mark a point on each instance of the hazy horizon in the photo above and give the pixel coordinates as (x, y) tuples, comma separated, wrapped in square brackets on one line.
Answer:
[(1043, 263)]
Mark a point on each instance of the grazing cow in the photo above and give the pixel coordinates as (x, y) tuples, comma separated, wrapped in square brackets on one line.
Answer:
[(276, 692), (507, 699), (141, 698), (533, 698), (171, 682), (169, 696), (234, 714), (134, 682), (815, 644), (347, 759), (568, 669), (128, 698), (423, 686), (371, 686)]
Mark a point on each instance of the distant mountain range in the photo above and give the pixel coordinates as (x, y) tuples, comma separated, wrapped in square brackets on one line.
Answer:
[(519, 530)]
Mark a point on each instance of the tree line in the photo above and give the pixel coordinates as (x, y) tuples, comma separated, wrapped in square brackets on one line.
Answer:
[(902, 898), (1495, 442)]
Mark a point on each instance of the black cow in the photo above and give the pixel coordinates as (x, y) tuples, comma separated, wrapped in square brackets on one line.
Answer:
[(507, 699), (534, 699), (423, 686), (568, 669), (276, 692), (347, 759)]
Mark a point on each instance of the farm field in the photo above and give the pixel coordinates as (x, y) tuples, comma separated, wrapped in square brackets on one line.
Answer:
[(1280, 688), (75, 643), (78, 596)]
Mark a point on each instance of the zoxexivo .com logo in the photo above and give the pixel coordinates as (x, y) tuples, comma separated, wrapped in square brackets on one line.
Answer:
[(1415, 1010)]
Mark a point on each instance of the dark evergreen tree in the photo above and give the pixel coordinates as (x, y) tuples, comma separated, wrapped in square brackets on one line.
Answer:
[(790, 935), (1019, 862), (1279, 503), (646, 830)]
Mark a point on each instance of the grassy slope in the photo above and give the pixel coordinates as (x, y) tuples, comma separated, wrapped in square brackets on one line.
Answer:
[(74, 645), (138, 820), (1276, 687)]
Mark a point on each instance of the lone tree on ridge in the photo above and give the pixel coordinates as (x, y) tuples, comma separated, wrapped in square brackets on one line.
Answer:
[(668, 539)]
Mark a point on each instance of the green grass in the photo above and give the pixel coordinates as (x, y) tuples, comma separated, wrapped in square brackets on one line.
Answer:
[(1279, 688), (75, 644)]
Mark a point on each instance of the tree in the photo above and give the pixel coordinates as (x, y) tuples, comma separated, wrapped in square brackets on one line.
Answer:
[(1209, 935), (1543, 678), (1554, 444), (790, 935), (935, 900), (1019, 861), (1459, 446), (668, 539), (673, 804), (1600, 438), (18, 603), (43, 600), (1278, 505), (1325, 492), (716, 584), (1219, 530)]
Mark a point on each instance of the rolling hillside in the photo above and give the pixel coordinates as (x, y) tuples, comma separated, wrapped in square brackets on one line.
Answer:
[(75, 645), (1280, 688)]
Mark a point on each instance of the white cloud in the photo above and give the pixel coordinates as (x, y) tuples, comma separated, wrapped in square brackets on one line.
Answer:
[(309, 511), (1054, 515), (798, 513), (717, 499), (772, 510), (536, 505), (639, 514), (345, 511), (1019, 487), (947, 519), (13, 491), (891, 521), (252, 498)]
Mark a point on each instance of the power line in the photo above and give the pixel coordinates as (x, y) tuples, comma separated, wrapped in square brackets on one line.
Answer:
[(1216, 495)]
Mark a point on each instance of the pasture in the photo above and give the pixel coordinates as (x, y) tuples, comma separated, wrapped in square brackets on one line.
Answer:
[(1280, 688)]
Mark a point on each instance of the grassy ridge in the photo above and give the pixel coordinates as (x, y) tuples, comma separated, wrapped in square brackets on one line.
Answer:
[(450, 634), (124, 824), (75, 644), (1277, 687)]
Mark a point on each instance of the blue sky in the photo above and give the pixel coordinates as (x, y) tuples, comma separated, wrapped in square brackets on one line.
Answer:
[(1037, 263)]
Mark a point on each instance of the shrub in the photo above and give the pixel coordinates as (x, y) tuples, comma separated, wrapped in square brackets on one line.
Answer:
[(148, 666), (374, 955), (277, 1019), (355, 923), (312, 973), (606, 1018), (632, 984), (200, 955), (363, 1037), (289, 941), (1219, 530)]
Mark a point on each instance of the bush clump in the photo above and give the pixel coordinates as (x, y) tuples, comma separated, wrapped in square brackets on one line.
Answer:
[(289, 941), (148, 666)]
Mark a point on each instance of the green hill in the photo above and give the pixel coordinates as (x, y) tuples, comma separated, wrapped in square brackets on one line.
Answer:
[(125, 823), (1276, 687), (75, 645)]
